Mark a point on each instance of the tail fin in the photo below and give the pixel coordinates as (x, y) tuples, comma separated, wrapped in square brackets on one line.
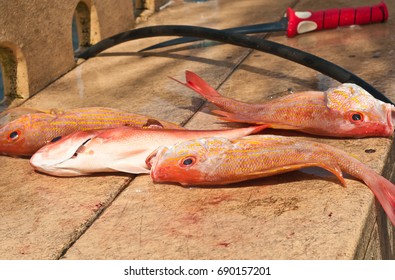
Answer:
[(384, 191), (197, 84), (200, 86)]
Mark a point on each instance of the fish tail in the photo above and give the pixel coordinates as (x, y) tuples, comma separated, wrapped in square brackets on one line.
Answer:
[(384, 191), (201, 87)]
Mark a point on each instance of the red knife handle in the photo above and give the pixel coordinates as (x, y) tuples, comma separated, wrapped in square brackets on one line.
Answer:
[(302, 22)]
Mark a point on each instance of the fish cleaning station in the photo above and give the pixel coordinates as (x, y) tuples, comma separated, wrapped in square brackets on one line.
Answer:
[(62, 56)]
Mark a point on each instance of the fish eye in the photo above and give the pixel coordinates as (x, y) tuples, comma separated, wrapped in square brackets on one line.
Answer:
[(14, 135), (56, 139), (356, 117), (187, 161)]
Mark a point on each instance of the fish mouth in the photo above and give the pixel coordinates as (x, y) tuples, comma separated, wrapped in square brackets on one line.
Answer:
[(153, 159), (149, 161), (50, 158)]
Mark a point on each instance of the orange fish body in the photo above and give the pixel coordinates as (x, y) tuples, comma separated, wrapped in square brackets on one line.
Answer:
[(29, 132), (218, 161), (345, 111)]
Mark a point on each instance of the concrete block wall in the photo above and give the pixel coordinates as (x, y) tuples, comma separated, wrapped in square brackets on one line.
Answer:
[(145, 8), (36, 38)]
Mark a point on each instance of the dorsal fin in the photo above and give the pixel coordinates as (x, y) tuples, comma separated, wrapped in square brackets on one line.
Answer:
[(14, 113), (152, 123)]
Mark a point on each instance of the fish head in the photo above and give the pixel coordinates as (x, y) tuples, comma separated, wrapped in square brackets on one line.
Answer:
[(188, 163), (65, 156), (24, 135), (356, 113)]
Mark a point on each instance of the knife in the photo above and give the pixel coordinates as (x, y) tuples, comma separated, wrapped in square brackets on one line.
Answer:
[(301, 22)]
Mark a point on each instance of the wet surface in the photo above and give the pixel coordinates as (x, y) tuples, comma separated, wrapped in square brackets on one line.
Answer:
[(304, 214)]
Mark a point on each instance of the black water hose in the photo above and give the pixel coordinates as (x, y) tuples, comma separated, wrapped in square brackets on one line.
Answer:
[(309, 60)]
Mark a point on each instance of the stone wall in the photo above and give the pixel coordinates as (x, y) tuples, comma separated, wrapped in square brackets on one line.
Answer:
[(36, 38)]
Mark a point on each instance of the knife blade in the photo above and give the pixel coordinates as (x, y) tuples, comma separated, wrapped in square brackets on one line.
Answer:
[(302, 22)]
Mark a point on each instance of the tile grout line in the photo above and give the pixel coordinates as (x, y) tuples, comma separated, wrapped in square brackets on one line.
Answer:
[(232, 70), (76, 235)]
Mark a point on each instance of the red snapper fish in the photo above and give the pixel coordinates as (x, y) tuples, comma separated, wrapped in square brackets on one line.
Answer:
[(344, 111), (220, 161), (31, 129), (119, 149)]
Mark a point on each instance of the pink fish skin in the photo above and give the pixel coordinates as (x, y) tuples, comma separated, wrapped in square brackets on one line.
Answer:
[(345, 111), (219, 161), (119, 149), (33, 128)]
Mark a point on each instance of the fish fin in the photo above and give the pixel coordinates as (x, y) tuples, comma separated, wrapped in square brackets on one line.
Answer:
[(335, 169), (384, 191), (152, 123), (127, 167), (19, 111), (5, 118), (14, 113), (259, 128), (332, 167), (232, 117), (23, 111), (201, 87), (132, 161), (56, 112), (198, 85)]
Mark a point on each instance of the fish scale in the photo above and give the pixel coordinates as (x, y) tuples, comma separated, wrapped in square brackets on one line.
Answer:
[(219, 161), (118, 149), (37, 128), (328, 113), (255, 159)]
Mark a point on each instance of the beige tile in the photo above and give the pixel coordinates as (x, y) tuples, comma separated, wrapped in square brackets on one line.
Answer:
[(300, 215), (43, 215)]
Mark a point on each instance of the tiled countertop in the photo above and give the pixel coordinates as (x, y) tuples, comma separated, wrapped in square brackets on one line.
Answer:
[(304, 214)]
